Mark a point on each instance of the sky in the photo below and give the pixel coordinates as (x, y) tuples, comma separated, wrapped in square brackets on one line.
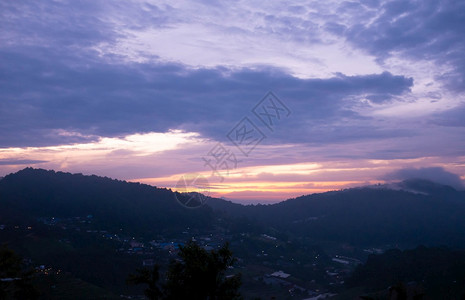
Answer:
[(265, 101)]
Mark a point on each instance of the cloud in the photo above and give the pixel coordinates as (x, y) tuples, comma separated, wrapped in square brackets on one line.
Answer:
[(14, 162), (417, 30), (60, 86), (57, 79), (435, 174), (46, 93), (66, 24), (53, 23), (454, 117)]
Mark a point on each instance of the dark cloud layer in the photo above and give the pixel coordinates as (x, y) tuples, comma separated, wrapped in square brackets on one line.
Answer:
[(14, 162), (452, 117), (44, 91), (58, 88), (419, 30), (435, 174)]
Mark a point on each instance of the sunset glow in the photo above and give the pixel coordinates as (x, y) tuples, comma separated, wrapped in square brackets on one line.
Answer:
[(147, 92)]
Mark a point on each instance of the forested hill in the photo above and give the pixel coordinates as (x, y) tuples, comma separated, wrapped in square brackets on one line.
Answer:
[(33, 193), (422, 213)]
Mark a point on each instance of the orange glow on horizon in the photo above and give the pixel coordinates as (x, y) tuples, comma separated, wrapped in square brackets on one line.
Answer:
[(262, 190)]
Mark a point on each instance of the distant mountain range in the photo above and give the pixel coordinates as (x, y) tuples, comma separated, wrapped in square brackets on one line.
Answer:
[(411, 213)]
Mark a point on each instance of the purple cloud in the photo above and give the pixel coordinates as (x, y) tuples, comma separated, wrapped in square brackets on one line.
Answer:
[(435, 174), (418, 30)]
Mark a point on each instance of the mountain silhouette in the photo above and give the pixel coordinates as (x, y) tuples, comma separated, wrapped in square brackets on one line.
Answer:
[(142, 209), (423, 212)]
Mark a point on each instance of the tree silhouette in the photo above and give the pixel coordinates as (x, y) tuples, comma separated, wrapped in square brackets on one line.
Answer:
[(14, 281), (198, 274), (398, 291), (150, 278)]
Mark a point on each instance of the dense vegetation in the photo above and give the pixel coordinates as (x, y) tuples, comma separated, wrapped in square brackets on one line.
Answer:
[(15, 279), (138, 208), (367, 216), (197, 274), (438, 273)]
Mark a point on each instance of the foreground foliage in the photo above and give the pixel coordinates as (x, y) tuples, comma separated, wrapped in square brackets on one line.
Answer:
[(14, 280), (197, 274)]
